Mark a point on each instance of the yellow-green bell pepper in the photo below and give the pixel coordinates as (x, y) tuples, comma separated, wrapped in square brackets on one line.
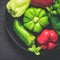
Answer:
[(35, 19), (17, 7)]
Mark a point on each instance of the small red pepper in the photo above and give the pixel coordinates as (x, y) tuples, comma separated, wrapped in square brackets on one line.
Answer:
[(47, 39)]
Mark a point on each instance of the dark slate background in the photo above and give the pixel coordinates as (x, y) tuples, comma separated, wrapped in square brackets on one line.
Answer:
[(9, 50)]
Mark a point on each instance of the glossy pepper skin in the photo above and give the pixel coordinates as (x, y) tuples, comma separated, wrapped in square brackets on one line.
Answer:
[(17, 7), (21, 32), (55, 23), (43, 37), (35, 19), (47, 39)]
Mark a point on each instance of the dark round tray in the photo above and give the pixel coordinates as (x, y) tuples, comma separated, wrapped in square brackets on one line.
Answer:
[(16, 39)]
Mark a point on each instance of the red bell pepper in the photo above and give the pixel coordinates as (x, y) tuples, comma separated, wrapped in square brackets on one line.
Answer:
[(47, 39)]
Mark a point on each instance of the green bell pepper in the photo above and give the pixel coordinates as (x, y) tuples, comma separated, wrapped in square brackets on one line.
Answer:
[(35, 19), (17, 7)]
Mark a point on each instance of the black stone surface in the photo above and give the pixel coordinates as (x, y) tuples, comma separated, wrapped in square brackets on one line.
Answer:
[(10, 51)]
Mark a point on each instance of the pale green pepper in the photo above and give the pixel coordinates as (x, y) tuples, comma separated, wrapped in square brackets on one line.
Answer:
[(17, 7)]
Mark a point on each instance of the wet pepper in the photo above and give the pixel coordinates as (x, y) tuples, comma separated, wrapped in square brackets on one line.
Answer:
[(47, 39)]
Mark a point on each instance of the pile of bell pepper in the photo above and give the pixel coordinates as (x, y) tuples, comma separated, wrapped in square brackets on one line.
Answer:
[(36, 20)]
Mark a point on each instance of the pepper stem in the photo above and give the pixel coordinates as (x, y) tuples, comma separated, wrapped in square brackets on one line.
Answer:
[(35, 49), (35, 19)]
